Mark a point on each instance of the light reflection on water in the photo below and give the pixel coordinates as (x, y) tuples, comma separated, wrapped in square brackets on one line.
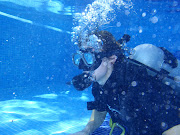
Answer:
[(46, 115)]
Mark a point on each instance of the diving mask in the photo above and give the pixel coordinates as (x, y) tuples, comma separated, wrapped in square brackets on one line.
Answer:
[(89, 61), (86, 60)]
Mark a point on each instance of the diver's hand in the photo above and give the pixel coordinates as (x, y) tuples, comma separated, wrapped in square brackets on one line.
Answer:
[(80, 133)]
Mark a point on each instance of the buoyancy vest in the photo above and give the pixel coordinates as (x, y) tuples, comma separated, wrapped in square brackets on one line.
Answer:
[(160, 63)]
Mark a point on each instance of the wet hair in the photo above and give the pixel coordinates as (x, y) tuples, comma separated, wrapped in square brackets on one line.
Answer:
[(109, 42), (110, 45)]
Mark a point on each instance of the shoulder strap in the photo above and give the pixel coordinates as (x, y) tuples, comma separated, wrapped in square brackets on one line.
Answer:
[(161, 74)]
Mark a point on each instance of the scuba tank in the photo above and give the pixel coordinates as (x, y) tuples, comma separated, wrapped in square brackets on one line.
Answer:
[(159, 63)]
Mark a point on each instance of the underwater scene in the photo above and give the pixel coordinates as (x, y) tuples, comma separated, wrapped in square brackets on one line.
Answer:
[(54, 54)]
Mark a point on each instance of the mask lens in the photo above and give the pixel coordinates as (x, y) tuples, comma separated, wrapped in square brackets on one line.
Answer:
[(76, 59), (89, 58)]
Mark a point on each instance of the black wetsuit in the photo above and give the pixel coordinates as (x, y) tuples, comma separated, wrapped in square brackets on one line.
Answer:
[(137, 101)]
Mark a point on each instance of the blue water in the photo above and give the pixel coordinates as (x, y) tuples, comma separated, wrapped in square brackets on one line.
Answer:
[(35, 59)]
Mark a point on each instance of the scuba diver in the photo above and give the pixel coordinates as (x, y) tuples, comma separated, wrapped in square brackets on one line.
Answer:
[(137, 102)]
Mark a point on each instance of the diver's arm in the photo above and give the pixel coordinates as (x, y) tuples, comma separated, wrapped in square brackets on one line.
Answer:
[(97, 118), (95, 121)]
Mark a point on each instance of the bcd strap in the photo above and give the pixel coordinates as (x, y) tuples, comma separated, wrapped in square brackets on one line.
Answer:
[(113, 125), (160, 74)]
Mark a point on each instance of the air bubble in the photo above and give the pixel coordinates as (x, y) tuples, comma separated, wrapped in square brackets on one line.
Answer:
[(154, 36), (123, 93), (134, 83), (154, 11), (95, 15), (154, 19), (175, 3), (127, 12), (105, 92), (140, 29), (163, 125), (85, 75), (167, 83), (177, 79), (143, 14), (118, 24), (167, 107)]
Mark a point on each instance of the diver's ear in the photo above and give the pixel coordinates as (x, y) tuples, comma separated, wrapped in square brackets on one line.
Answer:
[(113, 59)]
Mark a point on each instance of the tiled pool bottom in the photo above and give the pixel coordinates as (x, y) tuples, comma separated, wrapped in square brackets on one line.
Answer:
[(58, 111)]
